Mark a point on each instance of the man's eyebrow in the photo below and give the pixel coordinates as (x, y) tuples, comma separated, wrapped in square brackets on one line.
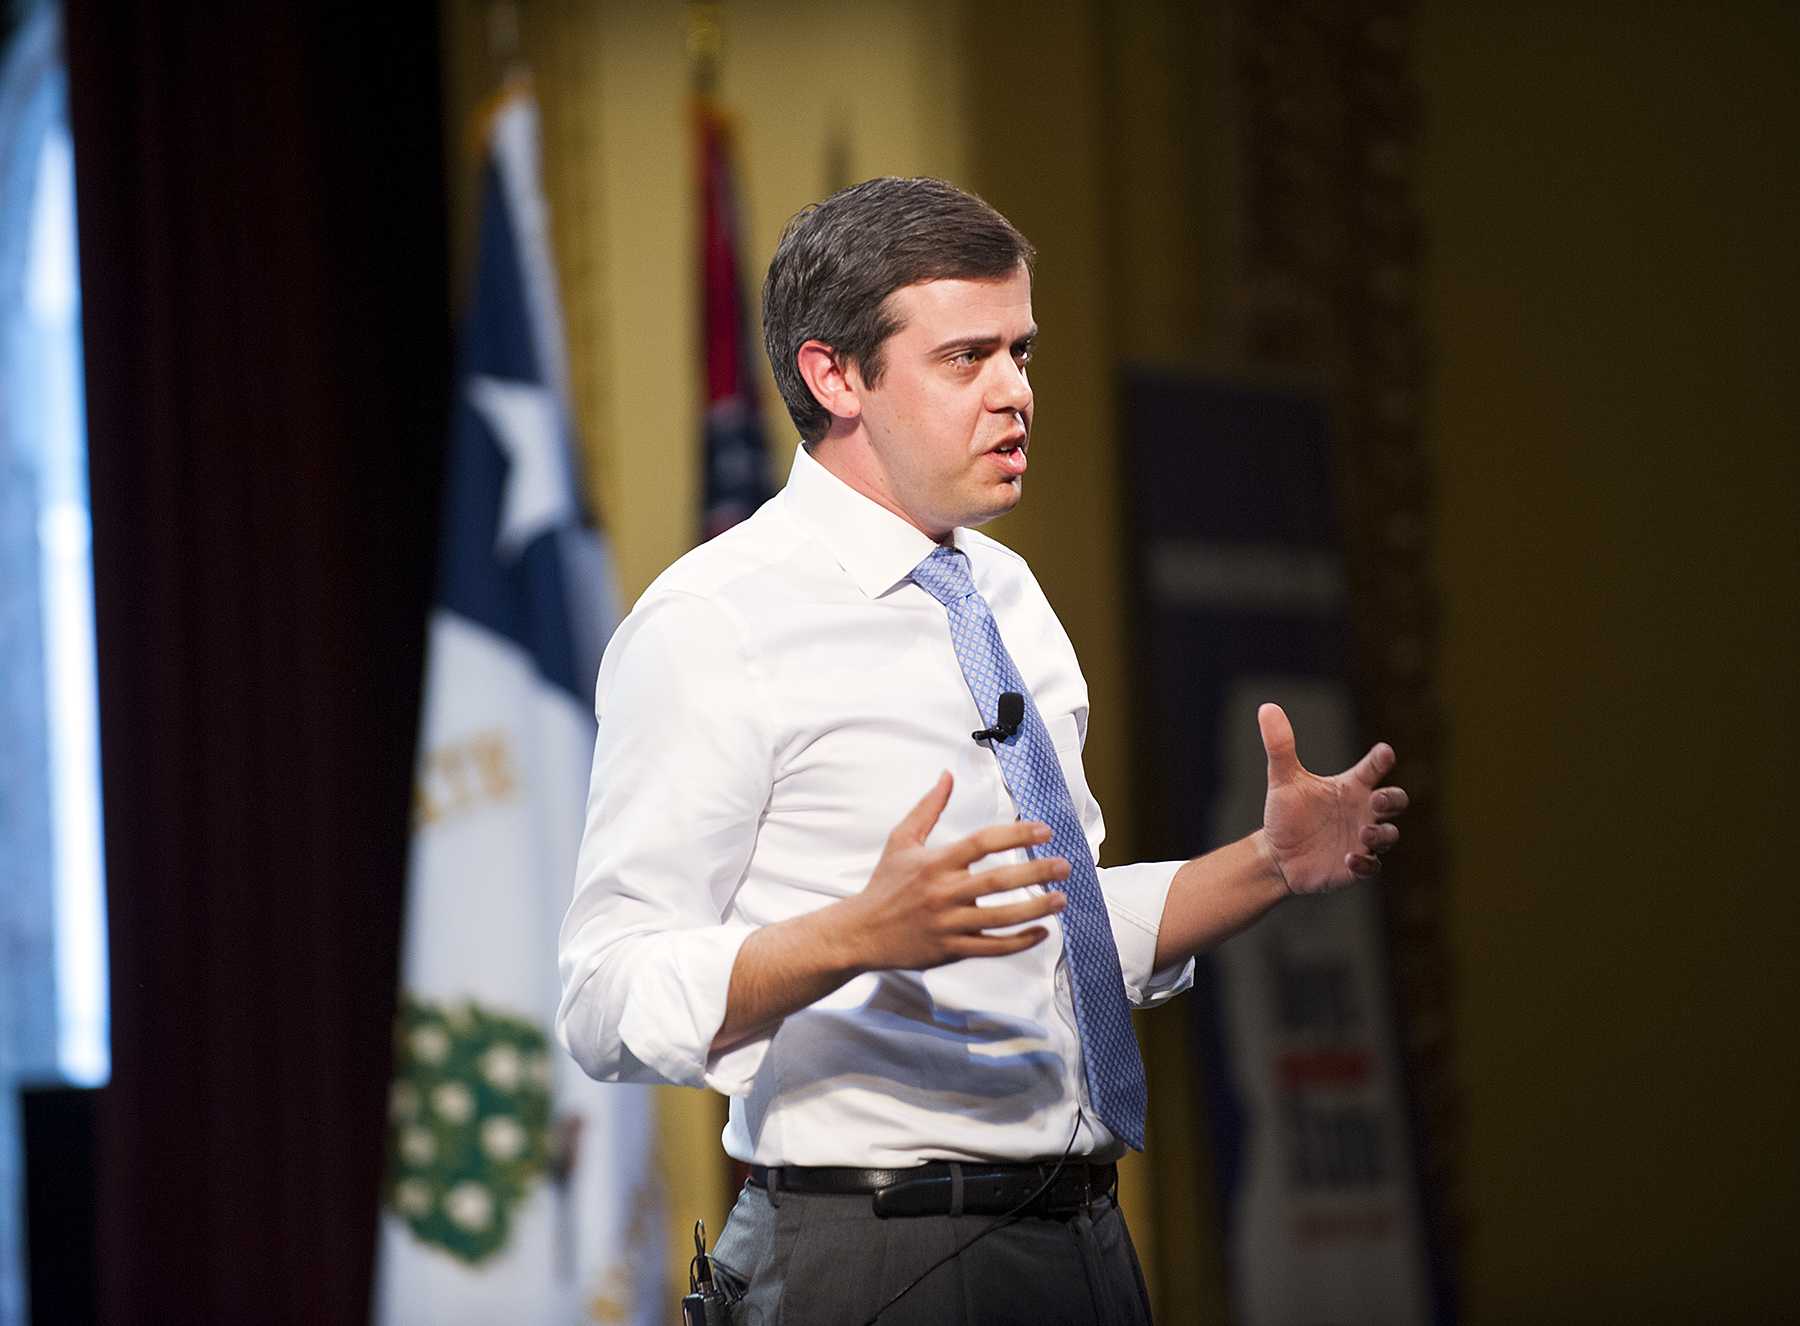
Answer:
[(989, 342)]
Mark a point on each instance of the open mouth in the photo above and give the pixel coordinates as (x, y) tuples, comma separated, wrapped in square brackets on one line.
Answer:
[(1011, 457)]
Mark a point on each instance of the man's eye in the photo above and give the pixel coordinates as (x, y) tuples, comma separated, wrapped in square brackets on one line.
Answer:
[(1022, 355), (963, 358)]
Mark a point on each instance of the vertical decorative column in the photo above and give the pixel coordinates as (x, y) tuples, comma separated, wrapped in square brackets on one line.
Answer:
[(1331, 250)]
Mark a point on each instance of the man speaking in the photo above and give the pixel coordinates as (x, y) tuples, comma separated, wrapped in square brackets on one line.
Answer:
[(840, 855)]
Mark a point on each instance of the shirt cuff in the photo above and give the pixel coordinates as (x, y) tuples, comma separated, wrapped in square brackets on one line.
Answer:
[(677, 1005), (1134, 902)]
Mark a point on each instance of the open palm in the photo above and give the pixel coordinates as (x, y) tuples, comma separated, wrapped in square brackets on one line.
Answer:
[(1325, 832)]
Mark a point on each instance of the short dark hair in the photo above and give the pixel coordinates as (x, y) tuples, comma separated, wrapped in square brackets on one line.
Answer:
[(840, 260)]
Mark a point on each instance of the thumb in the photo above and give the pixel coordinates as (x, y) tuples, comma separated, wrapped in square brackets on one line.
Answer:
[(1278, 741), (922, 818)]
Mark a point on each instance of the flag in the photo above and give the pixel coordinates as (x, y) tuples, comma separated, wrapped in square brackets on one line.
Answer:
[(737, 463), (517, 1189)]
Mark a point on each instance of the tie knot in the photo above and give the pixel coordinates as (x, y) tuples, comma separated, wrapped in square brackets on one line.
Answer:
[(945, 575)]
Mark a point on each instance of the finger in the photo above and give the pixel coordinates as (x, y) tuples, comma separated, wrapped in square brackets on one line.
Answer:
[(1278, 742), (998, 946), (1374, 766), (1379, 837), (994, 838), (922, 818), (1362, 865), (1004, 879), (1389, 801), (974, 920)]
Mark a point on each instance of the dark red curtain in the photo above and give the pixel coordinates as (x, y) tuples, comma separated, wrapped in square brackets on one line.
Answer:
[(263, 260)]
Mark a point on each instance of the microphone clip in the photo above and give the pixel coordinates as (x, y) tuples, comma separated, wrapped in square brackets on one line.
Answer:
[(1007, 721)]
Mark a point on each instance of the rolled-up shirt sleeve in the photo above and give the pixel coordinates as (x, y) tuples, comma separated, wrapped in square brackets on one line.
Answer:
[(682, 773), (1134, 904)]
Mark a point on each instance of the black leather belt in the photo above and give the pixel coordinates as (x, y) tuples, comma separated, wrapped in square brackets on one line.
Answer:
[(950, 1188)]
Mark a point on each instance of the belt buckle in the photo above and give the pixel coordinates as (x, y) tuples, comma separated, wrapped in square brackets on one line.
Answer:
[(1088, 1193)]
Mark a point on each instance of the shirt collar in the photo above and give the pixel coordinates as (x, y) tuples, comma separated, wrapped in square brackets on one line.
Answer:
[(876, 547)]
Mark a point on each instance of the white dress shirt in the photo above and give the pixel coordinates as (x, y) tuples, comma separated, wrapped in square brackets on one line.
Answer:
[(774, 705)]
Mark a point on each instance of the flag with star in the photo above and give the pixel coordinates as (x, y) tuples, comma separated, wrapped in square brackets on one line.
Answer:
[(737, 462), (516, 1189)]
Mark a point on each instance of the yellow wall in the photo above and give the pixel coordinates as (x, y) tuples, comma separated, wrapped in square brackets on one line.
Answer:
[(1610, 191)]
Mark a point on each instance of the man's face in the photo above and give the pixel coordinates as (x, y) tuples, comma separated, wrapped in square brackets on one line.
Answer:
[(950, 419)]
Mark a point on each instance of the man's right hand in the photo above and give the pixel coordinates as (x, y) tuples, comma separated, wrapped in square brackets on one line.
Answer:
[(918, 910)]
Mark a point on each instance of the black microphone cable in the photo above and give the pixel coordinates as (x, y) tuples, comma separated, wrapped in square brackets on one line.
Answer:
[(1010, 1218)]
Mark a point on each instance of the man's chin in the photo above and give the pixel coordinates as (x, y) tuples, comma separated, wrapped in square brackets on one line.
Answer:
[(1000, 499)]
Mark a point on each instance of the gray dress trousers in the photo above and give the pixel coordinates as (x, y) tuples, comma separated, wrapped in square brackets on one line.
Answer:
[(820, 1260)]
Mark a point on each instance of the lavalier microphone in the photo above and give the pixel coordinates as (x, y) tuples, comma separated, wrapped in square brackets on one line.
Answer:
[(1006, 725)]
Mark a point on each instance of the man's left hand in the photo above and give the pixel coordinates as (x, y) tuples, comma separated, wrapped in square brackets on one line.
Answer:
[(1325, 832)]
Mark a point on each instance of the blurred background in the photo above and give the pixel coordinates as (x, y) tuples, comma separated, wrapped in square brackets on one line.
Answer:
[(1534, 263)]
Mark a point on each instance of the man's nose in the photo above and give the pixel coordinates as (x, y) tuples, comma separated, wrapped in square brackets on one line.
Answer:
[(1011, 390)]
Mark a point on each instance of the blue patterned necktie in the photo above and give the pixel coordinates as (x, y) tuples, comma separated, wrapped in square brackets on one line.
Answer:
[(1115, 1073)]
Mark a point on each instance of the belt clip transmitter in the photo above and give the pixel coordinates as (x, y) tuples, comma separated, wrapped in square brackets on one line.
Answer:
[(705, 1301)]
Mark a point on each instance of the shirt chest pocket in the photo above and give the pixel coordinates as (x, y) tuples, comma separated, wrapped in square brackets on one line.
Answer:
[(1065, 736)]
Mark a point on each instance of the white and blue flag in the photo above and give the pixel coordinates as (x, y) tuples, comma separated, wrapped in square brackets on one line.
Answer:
[(517, 1189)]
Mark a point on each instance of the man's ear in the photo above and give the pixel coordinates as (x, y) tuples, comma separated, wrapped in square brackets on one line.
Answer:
[(831, 385)]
